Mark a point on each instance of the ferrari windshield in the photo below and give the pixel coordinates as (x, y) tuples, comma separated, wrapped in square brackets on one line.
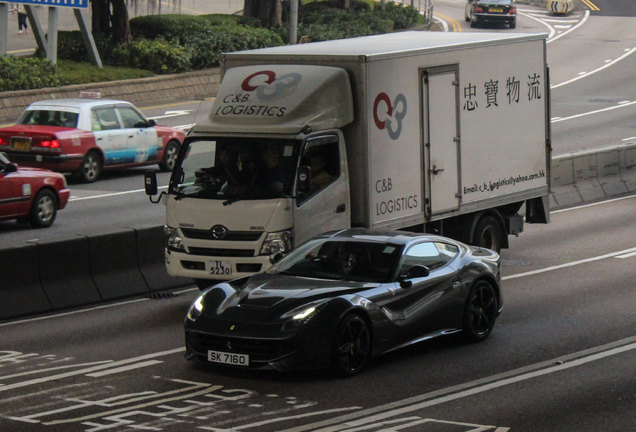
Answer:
[(236, 169), (353, 260)]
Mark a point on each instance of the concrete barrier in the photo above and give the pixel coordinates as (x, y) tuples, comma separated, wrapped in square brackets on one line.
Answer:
[(151, 242), (65, 272), (113, 264), (21, 292)]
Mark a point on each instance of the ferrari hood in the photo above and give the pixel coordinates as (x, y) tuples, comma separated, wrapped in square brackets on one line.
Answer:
[(277, 294)]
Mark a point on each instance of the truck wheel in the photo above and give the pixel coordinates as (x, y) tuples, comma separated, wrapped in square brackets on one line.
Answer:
[(91, 167), (169, 156), (488, 234), (44, 209)]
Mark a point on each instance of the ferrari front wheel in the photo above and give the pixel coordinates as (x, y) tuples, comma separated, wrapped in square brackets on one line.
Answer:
[(351, 345)]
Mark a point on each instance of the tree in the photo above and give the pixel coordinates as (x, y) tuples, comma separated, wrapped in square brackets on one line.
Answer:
[(269, 12), (110, 17)]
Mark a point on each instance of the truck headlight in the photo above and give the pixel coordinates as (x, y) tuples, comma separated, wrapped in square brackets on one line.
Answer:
[(277, 242), (174, 239)]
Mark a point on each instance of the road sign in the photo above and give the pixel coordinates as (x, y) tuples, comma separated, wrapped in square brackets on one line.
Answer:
[(83, 4)]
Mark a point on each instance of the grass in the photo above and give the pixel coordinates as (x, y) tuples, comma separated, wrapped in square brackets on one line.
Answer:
[(74, 73)]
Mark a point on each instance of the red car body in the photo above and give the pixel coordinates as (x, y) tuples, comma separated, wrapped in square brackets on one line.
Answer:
[(87, 136), (31, 194)]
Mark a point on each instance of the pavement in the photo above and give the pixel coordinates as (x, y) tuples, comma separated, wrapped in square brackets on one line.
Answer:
[(25, 44)]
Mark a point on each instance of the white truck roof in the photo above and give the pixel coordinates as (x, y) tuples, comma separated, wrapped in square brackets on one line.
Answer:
[(394, 44)]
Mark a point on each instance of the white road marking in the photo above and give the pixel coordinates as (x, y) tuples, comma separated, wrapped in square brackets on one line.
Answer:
[(407, 406), (124, 368), (569, 264), (621, 105)]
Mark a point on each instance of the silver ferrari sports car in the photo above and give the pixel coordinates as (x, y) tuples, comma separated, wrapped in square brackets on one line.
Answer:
[(344, 297)]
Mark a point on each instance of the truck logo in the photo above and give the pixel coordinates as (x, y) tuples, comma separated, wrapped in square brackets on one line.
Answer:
[(268, 85), (219, 232), (394, 111)]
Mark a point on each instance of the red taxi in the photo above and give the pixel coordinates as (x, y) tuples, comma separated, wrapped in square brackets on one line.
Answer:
[(86, 136), (31, 194)]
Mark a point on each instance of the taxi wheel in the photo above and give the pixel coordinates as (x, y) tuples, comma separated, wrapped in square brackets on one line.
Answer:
[(91, 167), (44, 209), (169, 156)]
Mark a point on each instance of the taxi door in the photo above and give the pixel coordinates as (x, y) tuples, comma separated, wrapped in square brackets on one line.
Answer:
[(142, 140), (109, 135)]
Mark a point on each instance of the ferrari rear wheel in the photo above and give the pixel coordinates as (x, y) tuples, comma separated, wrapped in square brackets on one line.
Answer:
[(351, 345), (481, 312)]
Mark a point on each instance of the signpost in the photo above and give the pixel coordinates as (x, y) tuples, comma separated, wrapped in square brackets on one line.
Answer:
[(49, 44)]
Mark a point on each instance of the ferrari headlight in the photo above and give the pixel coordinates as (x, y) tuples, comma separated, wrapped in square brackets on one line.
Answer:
[(277, 242), (174, 239), (299, 317), (196, 309)]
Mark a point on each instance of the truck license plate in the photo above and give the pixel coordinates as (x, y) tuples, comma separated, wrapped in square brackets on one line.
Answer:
[(21, 143), (228, 358), (221, 268)]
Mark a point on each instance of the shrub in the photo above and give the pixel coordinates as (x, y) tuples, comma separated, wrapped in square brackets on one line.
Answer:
[(27, 73), (158, 56), (179, 29), (71, 46), (403, 17)]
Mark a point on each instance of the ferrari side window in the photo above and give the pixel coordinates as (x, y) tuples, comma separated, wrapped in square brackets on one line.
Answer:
[(425, 254), (447, 251)]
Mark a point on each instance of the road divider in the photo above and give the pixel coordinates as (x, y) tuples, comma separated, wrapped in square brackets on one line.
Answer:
[(593, 175), (78, 270)]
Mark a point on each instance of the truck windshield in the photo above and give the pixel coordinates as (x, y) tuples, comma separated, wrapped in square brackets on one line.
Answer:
[(234, 169)]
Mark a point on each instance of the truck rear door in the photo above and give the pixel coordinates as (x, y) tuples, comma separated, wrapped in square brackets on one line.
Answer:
[(440, 110)]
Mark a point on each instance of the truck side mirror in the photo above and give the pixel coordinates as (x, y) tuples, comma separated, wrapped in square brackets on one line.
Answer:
[(304, 179), (150, 183)]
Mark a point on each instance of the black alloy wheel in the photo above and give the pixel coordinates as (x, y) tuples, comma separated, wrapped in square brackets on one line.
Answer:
[(480, 312), (351, 345)]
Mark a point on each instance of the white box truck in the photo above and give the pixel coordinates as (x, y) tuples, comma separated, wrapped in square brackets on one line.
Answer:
[(423, 131)]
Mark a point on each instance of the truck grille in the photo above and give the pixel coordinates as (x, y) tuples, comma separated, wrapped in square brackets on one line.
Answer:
[(231, 235), (241, 253)]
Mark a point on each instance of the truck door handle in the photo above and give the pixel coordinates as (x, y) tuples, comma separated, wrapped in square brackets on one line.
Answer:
[(437, 170), (341, 208)]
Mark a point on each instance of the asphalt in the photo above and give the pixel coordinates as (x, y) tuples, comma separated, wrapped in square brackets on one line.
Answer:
[(25, 44)]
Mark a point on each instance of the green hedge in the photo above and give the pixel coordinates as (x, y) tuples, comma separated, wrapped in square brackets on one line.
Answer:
[(27, 73)]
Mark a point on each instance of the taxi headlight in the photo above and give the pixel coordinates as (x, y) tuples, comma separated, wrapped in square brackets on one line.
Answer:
[(277, 242)]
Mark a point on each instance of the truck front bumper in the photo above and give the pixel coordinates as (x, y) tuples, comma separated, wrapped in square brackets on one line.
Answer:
[(181, 264)]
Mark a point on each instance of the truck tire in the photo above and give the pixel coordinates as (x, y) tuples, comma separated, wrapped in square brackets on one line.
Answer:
[(488, 233)]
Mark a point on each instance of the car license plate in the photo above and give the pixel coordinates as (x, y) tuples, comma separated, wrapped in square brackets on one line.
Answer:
[(20, 143), (221, 268), (228, 358), (495, 10)]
